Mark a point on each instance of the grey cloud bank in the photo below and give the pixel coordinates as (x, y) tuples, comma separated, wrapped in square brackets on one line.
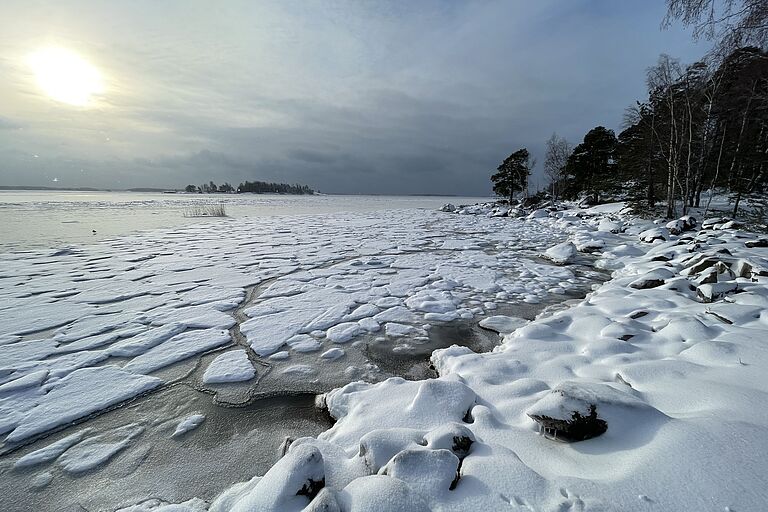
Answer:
[(347, 97)]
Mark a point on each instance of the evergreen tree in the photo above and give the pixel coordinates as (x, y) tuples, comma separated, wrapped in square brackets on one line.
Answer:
[(512, 175), (591, 166)]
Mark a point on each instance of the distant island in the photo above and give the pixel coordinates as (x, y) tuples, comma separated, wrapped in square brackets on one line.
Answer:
[(255, 187)]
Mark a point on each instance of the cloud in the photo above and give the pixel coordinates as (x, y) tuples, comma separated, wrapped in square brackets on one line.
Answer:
[(312, 157), (7, 124), (345, 96)]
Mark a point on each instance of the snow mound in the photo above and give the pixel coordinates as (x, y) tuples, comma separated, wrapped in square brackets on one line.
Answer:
[(561, 253)]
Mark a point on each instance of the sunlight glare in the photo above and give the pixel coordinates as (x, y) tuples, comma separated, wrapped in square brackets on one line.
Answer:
[(65, 76)]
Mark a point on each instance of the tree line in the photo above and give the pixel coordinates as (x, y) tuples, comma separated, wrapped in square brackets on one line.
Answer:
[(256, 187), (702, 126)]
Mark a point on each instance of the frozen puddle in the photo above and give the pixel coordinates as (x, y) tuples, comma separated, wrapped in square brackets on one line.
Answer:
[(121, 343)]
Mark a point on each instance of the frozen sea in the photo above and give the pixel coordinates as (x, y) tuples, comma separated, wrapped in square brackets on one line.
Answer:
[(166, 357), (47, 218)]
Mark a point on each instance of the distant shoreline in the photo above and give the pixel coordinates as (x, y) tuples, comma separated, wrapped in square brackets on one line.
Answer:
[(170, 190)]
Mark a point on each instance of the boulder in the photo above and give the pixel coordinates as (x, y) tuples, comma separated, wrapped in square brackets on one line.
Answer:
[(380, 493), (760, 242), (561, 253), (609, 226), (689, 222), (590, 246), (651, 235), (706, 277), (578, 410), (290, 484), (652, 279), (742, 268), (676, 227), (448, 207), (714, 291), (451, 436), (569, 413), (429, 472), (710, 223)]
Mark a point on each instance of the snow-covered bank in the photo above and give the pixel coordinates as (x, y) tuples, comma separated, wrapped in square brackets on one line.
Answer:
[(664, 365)]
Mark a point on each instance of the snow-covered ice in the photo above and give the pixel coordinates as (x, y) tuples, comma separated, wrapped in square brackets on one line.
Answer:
[(663, 368), (668, 355), (231, 366), (502, 324)]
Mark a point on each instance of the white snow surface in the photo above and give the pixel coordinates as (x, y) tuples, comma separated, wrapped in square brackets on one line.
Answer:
[(188, 424), (676, 371), (502, 324), (232, 366)]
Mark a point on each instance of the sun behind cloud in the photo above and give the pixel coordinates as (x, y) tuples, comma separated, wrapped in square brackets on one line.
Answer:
[(65, 76)]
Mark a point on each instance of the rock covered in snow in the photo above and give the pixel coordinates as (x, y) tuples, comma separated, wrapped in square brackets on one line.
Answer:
[(590, 246), (448, 207), (609, 226), (652, 279), (712, 222), (651, 235), (675, 227), (757, 243), (290, 485), (714, 291), (561, 254), (380, 493), (571, 411), (425, 471)]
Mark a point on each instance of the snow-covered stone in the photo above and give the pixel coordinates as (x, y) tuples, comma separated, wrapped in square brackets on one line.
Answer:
[(609, 226), (561, 253)]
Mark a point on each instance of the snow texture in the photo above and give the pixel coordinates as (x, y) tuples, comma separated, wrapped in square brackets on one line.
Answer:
[(670, 352), (232, 366)]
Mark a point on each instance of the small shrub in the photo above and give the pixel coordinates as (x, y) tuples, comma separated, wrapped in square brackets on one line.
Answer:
[(206, 210)]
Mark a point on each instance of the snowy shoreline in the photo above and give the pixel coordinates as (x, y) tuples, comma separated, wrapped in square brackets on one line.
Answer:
[(92, 335), (673, 370), (664, 369)]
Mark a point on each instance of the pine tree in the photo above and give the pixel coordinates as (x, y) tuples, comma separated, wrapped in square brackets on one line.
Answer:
[(512, 175), (591, 166)]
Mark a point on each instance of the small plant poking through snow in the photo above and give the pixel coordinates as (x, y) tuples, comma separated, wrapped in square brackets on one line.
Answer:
[(206, 210)]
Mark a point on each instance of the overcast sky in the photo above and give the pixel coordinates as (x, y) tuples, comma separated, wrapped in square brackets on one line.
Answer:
[(346, 96)]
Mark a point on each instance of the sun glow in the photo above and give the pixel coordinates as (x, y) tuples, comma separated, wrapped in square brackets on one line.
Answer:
[(65, 76)]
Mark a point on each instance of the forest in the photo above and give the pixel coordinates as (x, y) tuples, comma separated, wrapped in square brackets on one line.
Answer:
[(702, 127)]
